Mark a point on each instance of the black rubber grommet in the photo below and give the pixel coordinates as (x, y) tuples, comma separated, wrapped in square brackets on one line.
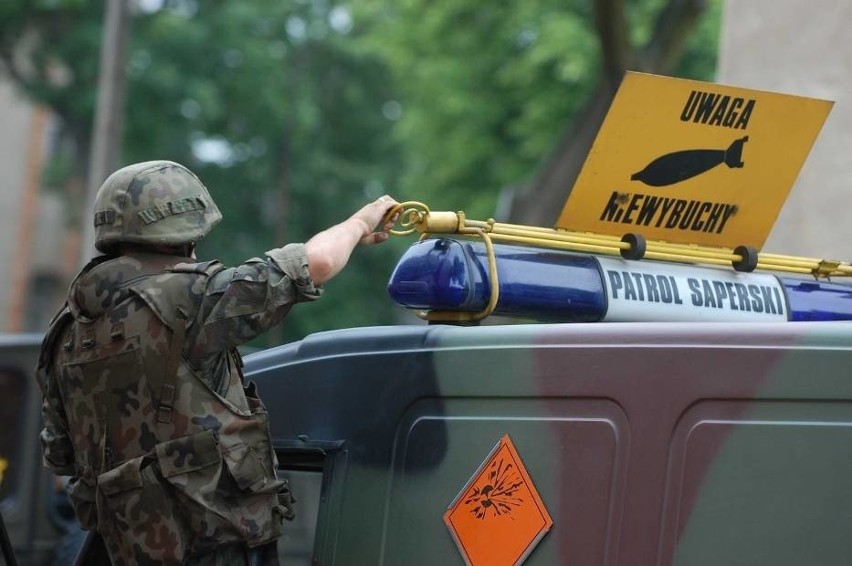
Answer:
[(638, 246), (748, 263)]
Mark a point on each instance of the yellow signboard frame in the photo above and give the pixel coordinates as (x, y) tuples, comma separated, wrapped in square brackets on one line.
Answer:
[(692, 162)]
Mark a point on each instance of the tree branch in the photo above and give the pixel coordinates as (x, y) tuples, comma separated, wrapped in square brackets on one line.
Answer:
[(540, 202), (674, 24), (616, 50)]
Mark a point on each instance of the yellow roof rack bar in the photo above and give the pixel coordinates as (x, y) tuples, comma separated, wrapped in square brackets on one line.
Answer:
[(416, 217)]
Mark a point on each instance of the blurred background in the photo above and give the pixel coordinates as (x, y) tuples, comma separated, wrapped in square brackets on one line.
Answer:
[(294, 113)]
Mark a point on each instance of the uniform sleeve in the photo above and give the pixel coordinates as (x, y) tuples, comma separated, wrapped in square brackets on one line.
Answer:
[(57, 450), (240, 303)]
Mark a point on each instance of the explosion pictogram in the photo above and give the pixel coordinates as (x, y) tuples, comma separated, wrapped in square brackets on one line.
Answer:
[(499, 495)]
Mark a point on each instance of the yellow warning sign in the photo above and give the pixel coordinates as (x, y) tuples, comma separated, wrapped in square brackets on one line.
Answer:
[(692, 162), (498, 518)]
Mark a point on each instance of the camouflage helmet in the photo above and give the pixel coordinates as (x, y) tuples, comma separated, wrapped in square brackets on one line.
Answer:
[(155, 203)]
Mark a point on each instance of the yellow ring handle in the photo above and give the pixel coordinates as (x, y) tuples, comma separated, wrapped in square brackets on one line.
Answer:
[(409, 215)]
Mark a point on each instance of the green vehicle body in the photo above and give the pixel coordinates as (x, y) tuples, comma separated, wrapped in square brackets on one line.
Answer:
[(648, 443)]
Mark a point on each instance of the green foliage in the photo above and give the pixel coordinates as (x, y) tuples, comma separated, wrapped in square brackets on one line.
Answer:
[(699, 58), (297, 113), (487, 89), (50, 47), (292, 115), (265, 100)]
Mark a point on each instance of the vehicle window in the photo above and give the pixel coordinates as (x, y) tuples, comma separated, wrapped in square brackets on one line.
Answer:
[(13, 385), (296, 545)]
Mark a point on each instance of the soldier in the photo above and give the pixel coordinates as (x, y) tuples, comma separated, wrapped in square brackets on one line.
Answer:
[(145, 405)]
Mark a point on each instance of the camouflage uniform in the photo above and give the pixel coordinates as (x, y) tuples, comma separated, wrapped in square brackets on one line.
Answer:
[(144, 402)]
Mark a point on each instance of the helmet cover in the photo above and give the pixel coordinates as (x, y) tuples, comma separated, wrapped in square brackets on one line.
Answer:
[(154, 203)]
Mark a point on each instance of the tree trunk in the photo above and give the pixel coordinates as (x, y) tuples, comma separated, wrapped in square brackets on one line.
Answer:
[(541, 201)]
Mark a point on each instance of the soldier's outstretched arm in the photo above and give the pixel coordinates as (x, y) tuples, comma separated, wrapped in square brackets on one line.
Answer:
[(329, 251), (241, 302)]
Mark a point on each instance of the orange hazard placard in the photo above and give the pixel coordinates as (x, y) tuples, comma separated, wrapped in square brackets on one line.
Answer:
[(498, 518)]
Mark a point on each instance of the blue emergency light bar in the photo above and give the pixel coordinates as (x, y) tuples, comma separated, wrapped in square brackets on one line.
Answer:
[(451, 275)]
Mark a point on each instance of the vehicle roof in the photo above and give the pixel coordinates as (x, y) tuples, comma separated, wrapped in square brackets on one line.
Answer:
[(378, 339), (24, 339)]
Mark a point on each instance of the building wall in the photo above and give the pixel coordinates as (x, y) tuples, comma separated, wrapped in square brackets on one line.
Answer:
[(18, 118), (34, 236), (801, 47)]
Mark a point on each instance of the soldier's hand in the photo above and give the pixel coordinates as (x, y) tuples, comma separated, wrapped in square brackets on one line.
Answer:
[(378, 220)]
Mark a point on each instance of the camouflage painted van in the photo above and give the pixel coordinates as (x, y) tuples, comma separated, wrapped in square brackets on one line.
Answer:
[(645, 443)]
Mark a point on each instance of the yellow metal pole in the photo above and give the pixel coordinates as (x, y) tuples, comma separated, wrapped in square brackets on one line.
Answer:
[(416, 217)]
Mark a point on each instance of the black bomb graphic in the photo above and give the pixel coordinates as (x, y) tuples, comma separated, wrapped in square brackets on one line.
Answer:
[(678, 166)]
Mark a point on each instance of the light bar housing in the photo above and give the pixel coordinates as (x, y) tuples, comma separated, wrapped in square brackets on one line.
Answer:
[(447, 275)]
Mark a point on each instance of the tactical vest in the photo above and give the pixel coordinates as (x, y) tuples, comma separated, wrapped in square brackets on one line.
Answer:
[(165, 466)]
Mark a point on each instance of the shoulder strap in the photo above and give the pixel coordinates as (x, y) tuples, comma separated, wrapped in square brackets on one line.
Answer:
[(207, 267), (48, 344), (167, 393)]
